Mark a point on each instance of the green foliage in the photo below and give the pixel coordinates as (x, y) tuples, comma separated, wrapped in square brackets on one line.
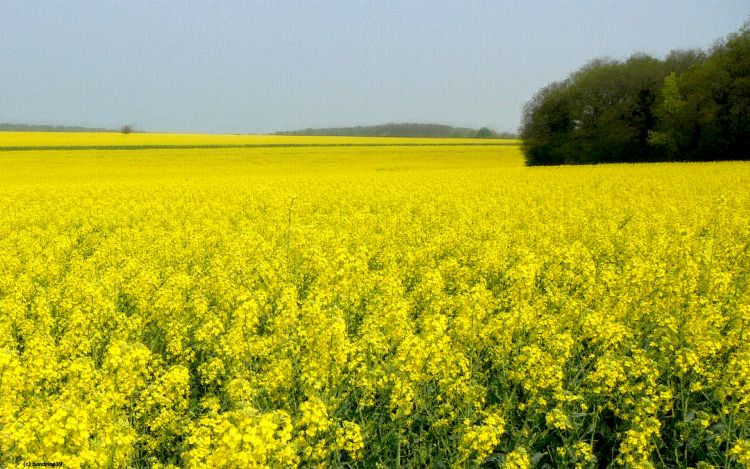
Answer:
[(689, 106), (704, 113), (601, 113), (484, 132), (670, 107), (402, 130), (5, 127)]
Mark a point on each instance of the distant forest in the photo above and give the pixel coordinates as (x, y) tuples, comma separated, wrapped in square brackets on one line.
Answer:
[(402, 130), (386, 130), (691, 106), (48, 128)]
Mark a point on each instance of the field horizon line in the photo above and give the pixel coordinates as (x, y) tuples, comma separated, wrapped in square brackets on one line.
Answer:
[(250, 145)]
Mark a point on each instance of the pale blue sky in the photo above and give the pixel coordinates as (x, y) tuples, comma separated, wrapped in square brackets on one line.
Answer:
[(264, 66)]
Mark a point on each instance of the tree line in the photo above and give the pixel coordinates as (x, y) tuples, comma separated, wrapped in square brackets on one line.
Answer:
[(7, 127), (690, 106), (403, 130)]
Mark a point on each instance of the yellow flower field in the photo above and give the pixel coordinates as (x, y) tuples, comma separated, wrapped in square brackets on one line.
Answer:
[(66, 139), (370, 307)]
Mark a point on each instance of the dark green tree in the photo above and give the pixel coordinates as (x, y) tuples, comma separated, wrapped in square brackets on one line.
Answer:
[(601, 113), (703, 114), (689, 106), (484, 132), (546, 126)]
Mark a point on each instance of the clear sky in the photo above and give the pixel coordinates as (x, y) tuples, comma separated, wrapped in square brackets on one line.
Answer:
[(246, 66)]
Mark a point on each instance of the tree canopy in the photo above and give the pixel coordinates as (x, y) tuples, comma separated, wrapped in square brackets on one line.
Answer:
[(689, 106)]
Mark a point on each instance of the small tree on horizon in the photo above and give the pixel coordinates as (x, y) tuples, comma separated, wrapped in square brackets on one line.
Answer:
[(484, 132)]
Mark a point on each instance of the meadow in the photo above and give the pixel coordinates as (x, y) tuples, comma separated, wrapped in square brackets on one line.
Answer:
[(369, 306)]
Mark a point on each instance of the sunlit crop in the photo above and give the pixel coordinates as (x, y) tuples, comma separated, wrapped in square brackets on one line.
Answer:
[(371, 306), (112, 139)]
